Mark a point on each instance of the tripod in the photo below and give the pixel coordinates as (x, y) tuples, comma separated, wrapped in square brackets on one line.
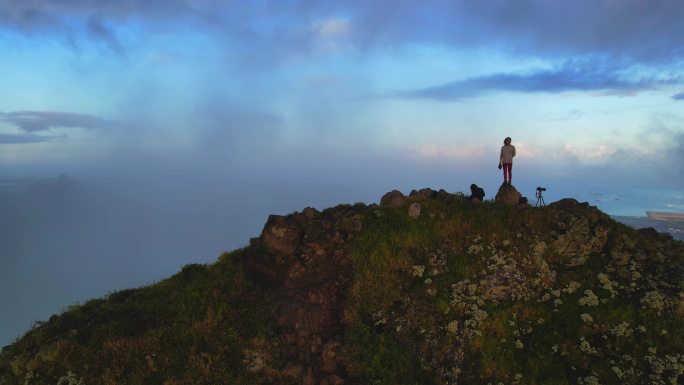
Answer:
[(540, 198)]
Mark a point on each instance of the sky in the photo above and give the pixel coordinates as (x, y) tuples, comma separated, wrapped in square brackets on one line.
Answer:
[(575, 84), (230, 110)]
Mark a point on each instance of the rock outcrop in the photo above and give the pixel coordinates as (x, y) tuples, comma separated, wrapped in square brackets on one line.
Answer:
[(307, 293), (393, 198), (508, 195)]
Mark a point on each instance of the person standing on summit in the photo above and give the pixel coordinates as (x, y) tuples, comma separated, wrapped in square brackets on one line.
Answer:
[(506, 159)]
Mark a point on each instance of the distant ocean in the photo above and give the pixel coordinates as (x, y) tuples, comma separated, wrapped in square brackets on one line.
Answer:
[(17, 184), (629, 206), (634, 201)]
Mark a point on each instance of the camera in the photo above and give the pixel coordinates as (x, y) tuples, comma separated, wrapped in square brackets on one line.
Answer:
[(541, 188)]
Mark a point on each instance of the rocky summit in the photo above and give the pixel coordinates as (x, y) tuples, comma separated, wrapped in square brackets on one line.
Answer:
[(428, 288)]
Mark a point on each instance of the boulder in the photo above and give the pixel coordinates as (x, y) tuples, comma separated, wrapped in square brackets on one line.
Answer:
[(282, 234), (425, 193), (507, 195), (442, 194), (414, 210), (393, 198)]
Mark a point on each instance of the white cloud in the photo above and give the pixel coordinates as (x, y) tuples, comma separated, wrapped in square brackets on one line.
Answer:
[(471, 151), (452, 151), (333, 28), (595, 154), (527, 151)]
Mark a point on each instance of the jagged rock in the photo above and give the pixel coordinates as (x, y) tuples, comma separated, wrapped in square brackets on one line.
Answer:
[(414, 210), (309, 306), (282, 234), (292, 370), (507, 195), (393, 198), (329, 356), (577, 235), (310, 213), (425, 193), (262, 265), (442, 194), (332, 380)]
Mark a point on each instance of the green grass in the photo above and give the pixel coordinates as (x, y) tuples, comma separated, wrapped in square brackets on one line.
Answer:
[(189, 328), (393, 242), (382, 359)]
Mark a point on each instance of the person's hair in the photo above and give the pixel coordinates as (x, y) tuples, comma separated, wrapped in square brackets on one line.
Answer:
[(508, 138)]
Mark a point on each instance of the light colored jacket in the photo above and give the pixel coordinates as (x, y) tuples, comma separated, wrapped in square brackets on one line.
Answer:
[(507, 153)]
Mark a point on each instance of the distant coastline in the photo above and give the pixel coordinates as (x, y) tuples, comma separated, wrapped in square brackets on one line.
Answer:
[(673, 226), (665, 216)]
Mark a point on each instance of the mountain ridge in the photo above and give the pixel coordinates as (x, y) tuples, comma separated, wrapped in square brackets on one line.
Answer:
[(428, 288)]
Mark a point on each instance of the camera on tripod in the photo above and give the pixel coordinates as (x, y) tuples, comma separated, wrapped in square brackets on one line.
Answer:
[(540, 198)]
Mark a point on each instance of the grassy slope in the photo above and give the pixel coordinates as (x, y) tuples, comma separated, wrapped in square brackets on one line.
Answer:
[(186, 329), (539, 338), (403, 328)]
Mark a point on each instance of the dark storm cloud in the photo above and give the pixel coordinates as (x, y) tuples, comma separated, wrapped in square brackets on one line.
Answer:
[(75, 21), (36, 121), (27, 138), (566, 78), (102, 32), (631, 30), (679, 96)]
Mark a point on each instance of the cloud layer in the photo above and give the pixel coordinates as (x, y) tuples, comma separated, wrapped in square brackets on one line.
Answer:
[(630, 30), (569, 77), (37, 121), (27, 138)]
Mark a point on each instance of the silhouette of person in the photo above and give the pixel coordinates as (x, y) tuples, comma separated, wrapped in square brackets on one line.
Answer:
[(506, 159), (476, 192)]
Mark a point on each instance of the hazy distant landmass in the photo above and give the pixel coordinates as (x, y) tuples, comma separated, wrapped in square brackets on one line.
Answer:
[(17, 183), (674, 228)]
